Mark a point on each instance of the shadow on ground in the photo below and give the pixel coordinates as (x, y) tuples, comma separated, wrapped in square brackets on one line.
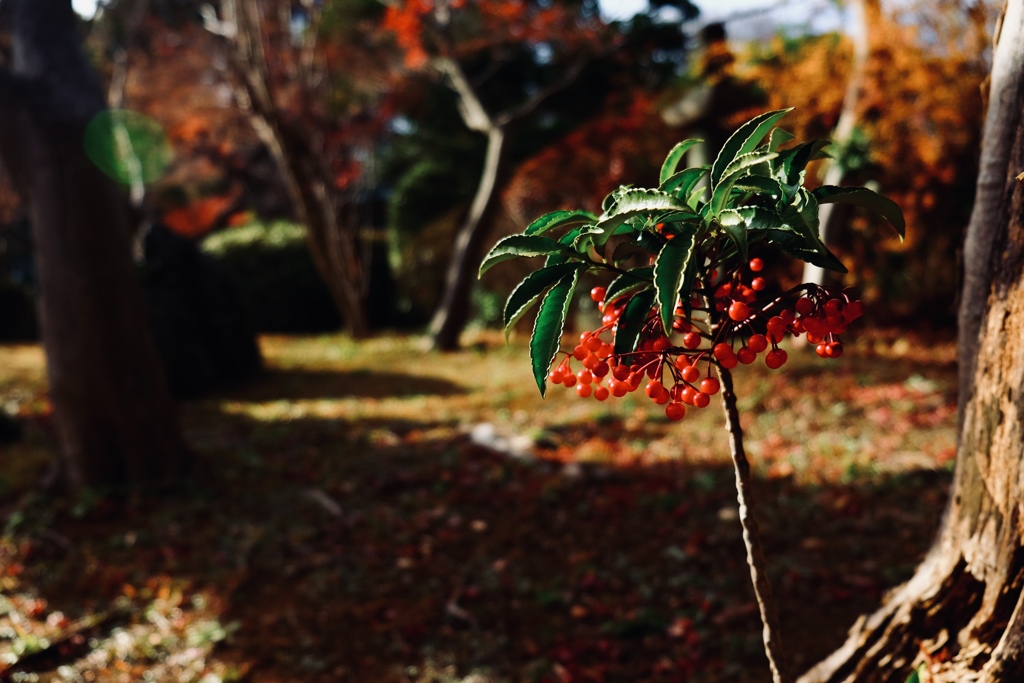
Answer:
[(311, 547)]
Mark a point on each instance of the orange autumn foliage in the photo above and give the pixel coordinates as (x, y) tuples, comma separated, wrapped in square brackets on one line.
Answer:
[(920, 111), (481, 24), (200, 216)]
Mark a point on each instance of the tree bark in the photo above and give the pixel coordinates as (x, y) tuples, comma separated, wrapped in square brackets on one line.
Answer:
[(113, 417), (304, 170), (453, 311), (962, 615)]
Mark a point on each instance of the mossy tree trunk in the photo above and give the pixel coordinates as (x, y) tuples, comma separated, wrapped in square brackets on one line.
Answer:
[(113, 417), (962, 614)]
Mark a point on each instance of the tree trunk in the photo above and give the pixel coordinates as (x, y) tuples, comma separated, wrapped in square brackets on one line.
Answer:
[(962, 615), (453, 312), (304, 170), (113, 417)]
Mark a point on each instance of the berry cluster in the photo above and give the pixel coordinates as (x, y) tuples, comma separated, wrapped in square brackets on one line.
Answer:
[(679, 370)]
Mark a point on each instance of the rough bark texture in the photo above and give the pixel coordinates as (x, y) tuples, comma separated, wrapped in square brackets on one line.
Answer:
[(961, 616), (297, 151), (113, 418)]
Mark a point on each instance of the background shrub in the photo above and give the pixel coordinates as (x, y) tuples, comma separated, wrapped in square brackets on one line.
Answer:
[(274, 273)]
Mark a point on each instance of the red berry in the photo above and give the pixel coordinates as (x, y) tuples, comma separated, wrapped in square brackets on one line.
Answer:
[(585, 376), (556, 376), (739, 311), (756, 265), (584, 390), (620, 372), (593, 343), (690, 373), (822, 350), (663, 397), (776, 328), (757, 343), (701, 400), (722, 350), (601, 393), (710, 386), (776, 358), (675, 411), (653, 388), (835, 349), (618, 389), (580, 352), (758, 284), (746, 355), (569, 380), (662, 344), (600, 370), (729, 362), (597, 293), (833, 307), (854, 310), (804, 306), (691, 340)]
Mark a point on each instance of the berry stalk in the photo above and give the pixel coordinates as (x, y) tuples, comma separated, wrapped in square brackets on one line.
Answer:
[(771, 632)]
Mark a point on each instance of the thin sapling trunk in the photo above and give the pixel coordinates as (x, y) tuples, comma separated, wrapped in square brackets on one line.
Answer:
[(771, 633)]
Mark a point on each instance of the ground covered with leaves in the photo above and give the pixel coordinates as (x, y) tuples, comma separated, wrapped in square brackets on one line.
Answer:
[(375, 512)]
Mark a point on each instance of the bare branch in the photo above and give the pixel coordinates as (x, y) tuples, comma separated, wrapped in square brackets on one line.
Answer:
[(218, 27), (528, 107), (470, 107)]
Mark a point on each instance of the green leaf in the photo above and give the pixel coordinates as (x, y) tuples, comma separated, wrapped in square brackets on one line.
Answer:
[(734, 225), (778, 138), (799, 236), (915, 677), (723, 190), (680, 184), (629, 283), (636, 202), (613, 196), (668, 168), (760, 218), (547, 329), (797, 246), (793, 161), (632, 321), (515, 246), (559, 219), (745, 140), (529, 290), (863, 197), (670, 270), (760, 186)]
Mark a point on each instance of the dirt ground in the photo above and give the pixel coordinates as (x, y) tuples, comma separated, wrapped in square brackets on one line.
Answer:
[(376, 512)]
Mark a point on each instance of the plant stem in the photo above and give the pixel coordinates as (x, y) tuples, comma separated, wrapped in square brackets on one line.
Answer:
[(771, 632)]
